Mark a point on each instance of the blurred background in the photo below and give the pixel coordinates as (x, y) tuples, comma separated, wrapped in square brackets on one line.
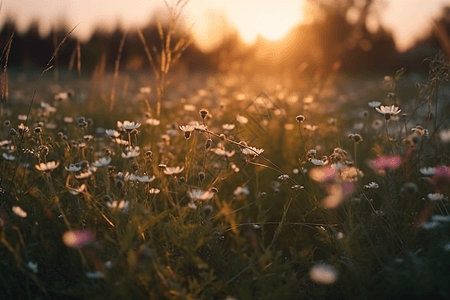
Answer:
[(299, 37)]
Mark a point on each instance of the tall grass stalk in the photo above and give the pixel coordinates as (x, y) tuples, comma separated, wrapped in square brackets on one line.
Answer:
[(4, 78), (112, 96), (22, 135), (169, 54)]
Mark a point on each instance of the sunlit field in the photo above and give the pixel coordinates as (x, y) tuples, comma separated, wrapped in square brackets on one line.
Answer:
[(179, 184)]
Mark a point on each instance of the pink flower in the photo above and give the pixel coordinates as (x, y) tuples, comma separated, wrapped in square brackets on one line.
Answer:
[(323, 174), (337, 192), (441, 179), (385, 162), (77, 238)]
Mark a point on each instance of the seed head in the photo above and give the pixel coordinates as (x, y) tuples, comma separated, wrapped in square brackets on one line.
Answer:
[(207, 210), (357, 138), (300, 118), (409, 188), (201, 176), (119, 184), (108, 152), (203, 113), (208, 144)]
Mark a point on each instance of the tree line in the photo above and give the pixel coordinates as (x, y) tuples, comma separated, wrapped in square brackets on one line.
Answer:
[(332, 41)]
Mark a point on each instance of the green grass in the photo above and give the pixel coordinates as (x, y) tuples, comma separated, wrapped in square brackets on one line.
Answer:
[(250, 232)]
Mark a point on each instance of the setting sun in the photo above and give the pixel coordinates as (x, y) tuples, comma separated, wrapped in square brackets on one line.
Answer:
[(268, 19)]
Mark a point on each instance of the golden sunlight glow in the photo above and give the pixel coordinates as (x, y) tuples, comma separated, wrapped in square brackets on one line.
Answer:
[(269, 19)]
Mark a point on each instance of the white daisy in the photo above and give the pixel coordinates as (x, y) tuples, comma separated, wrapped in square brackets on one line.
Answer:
[(430, 225), (374, 104), (120, 141), (435, 197), (427, 171), (241, 119), (128, 126), (19, 211), (192, 205), (318, 162), (131, 152), (189, 107), (45, 167), (187, 128), (240, 191), (154, 191), (388, 111), (32, 266), (222, 152), (310, 127), (372, 185), (5, 143), (84, 175), (200, 195), (112, 133), (283, 177), (145, 90), (73, 168), (76, 191), (173, 170), (252, 151), (144, 178), (440, 218), (68, 119), (101, 162), (323, 274), (152, 122), (228, 126), (122, 205), (8, 157)]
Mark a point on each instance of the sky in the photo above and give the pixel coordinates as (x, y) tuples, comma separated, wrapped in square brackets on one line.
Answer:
[(272, 19)]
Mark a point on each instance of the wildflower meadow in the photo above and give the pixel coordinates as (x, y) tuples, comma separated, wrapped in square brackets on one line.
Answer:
[(186, 185)]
